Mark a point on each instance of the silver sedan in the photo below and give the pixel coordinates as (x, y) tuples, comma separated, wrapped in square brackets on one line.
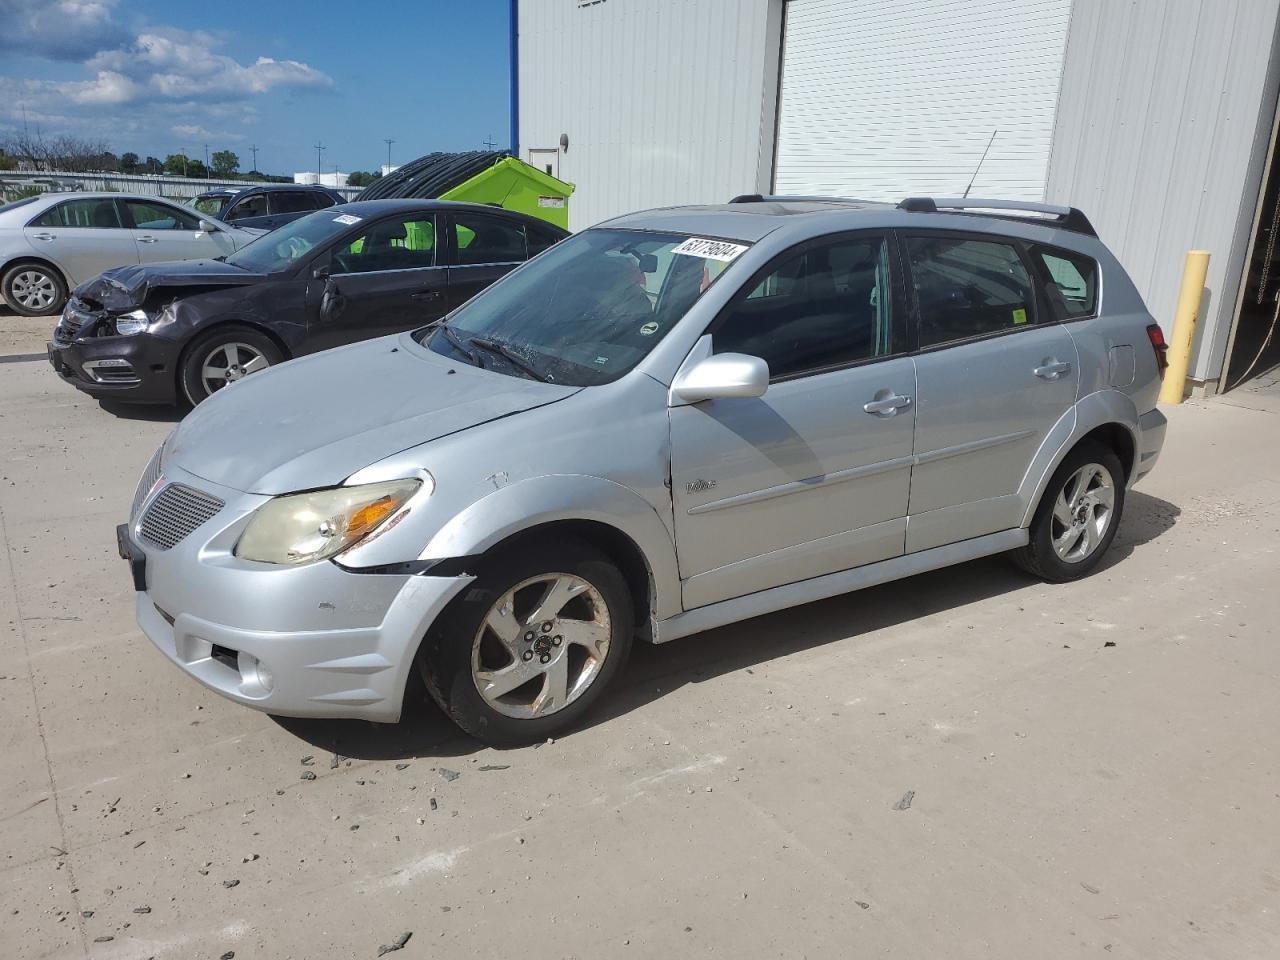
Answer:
[(52, 243)]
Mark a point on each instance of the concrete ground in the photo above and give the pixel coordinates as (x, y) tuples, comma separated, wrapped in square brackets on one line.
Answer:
[(1093, 769)]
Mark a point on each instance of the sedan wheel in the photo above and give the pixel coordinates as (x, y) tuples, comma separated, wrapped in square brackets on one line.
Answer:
[(541, 646), (229, 362), (34, 290)]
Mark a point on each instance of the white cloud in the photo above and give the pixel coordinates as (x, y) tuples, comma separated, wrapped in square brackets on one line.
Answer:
[(192, 131), (59, 29)]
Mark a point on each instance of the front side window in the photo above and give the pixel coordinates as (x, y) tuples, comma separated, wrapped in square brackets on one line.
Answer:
[(1070, 282), (968, 288), (822, 307), (81, 213), (209, 206), (158, 216), (585, 311), (397, 244), (481, 239), (254, 206)]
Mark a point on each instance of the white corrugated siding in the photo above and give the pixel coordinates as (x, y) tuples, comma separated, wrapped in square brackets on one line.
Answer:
[(1165, 113), (664, 101), (883, 99)]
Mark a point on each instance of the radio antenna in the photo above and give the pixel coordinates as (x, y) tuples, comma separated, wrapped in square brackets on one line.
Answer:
[(980, 162)]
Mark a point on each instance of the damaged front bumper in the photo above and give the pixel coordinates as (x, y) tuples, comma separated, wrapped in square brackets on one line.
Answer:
[(141, 367), (307, 641)]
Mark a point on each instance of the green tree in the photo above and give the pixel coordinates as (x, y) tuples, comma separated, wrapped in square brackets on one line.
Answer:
[(153, 165), (129, 162), (225, 163), (176, 165), (360, 178), (197, 170)]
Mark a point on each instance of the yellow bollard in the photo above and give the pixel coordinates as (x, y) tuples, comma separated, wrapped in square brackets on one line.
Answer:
[(1184, 326)]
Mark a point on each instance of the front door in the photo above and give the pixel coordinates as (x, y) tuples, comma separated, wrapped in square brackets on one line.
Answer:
[(165, 232), (482, 249), (84, 237), (995, 373), (385, 280), (813, 477)]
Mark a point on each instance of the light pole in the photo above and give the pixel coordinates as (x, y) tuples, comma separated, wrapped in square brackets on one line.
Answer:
[(319, 149), (254, 150), (206, 159), (184, 161), (388, 142)]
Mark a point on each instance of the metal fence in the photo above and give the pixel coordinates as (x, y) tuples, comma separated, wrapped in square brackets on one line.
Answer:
[(15, 181)]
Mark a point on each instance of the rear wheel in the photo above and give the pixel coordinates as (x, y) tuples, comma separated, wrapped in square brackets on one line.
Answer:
[(34, 289), (1078, 516), (223, 356), (532, 644)]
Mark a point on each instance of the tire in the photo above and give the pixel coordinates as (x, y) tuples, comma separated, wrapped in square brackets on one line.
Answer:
[(251, 349), (463, 649), (1074, 525), (34, 289)]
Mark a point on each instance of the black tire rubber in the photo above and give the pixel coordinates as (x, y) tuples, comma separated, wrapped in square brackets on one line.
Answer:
[(59, 286), (445, 656), (191, 384), (1038, 557)]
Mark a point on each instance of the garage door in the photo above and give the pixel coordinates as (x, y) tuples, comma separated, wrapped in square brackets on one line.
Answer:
[(883, 99)]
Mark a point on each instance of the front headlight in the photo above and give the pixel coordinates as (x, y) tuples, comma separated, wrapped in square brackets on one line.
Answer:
[(305, 527), (135, 321)]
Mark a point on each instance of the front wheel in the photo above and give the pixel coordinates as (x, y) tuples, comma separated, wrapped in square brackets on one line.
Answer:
[(223, 356), (526, 650), (1078, 516), (33, 289)]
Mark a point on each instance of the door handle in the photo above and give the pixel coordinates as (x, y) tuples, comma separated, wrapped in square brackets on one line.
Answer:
[(886, 406), (426, 295), (43, 236), (146, 239), (1051, 369)]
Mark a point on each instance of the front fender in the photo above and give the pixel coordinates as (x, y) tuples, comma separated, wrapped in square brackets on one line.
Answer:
[(530, 503), (1096, 410)]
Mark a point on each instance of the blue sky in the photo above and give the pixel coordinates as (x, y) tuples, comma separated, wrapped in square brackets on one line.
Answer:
[(155, 77)]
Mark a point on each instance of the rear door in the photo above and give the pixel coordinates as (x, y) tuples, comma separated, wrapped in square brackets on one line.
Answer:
[(84, 237), (163, 231), (995, 372), (384, 280), (482, 248)]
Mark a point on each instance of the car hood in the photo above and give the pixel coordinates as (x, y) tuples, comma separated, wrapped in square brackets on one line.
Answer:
[(314, 422), (126, 288)]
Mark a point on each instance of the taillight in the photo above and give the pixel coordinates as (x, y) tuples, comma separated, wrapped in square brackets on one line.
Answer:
[(1156, 336)]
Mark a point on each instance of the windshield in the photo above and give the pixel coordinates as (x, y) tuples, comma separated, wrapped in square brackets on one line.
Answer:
[(210, 206), (587, 310), (283, 247)]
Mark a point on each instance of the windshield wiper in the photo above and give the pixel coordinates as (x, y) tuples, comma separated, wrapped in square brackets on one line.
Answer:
[(513, 358), (459, 344)]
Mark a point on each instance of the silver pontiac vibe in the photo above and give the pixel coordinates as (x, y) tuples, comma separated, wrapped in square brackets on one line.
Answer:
[(670, 422)]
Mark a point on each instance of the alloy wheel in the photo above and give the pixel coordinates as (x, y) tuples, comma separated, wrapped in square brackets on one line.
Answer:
[(34, 289), (228, 362), (541, 645), (1082, 513)]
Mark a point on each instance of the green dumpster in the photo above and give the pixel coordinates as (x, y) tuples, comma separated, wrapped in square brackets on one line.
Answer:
[(516, 185)]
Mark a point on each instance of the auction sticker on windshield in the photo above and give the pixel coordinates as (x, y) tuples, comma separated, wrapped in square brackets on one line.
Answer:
[(710, 249), (346, 218)]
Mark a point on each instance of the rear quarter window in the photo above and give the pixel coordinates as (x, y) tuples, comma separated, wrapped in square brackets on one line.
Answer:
[(1070, 281)]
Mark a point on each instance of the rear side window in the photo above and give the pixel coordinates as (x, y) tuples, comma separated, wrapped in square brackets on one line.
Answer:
[(293, 201), (968, 288), (539, 240), (483, 239), (81, 213), (826, 306), (1070, 282), (322, 200)]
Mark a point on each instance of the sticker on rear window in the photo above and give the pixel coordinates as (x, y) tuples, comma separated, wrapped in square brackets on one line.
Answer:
[(710, 249), (346, 218)]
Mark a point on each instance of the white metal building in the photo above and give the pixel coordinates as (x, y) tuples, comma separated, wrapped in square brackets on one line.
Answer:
[(1156, 117)]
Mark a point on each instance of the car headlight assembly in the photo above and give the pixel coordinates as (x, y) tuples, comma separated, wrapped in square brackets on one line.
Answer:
[(302, 528), (135, 321)]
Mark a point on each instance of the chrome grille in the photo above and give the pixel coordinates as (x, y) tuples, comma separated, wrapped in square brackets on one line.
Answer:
[(174, 513), (148, 480)]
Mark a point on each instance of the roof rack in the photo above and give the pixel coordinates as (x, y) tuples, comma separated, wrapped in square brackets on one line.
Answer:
[(769, 198), (1064, 218)]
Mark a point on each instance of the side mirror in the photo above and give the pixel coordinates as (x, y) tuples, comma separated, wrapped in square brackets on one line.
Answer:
[(722, 376), (208, 227), (322, 271)]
